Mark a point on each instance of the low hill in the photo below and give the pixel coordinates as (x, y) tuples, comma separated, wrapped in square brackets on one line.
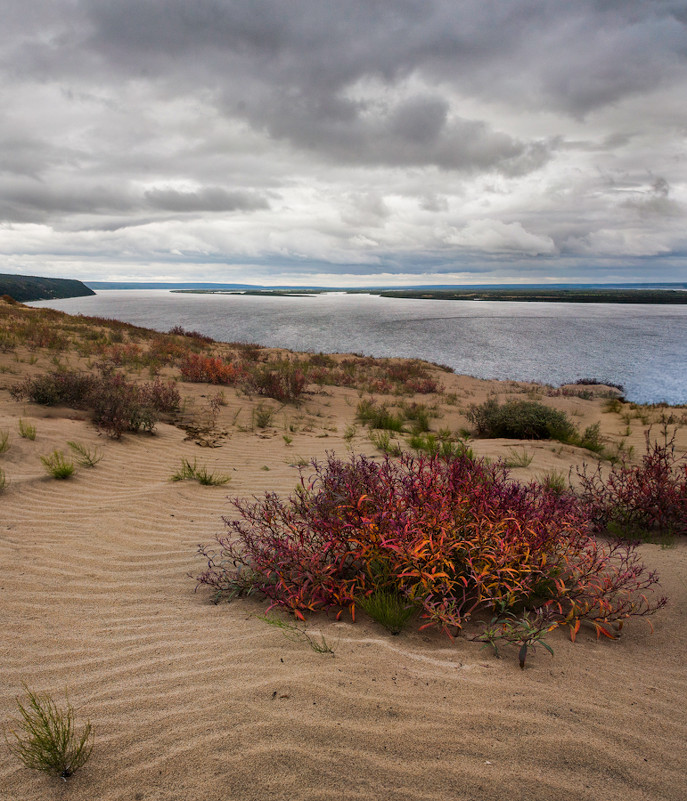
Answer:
[(26, 288)]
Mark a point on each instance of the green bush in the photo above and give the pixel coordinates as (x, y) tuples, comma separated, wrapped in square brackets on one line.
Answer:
[(45, 739), (520, 420)]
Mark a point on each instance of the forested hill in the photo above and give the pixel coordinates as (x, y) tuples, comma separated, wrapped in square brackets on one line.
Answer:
[(29, 287)]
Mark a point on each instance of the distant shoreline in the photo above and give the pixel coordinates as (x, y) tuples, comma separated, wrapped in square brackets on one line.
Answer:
[(635, 296)]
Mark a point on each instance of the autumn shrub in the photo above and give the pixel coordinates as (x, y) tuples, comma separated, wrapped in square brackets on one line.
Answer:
[(281, 380), (208, 370), (448, 537), (640, 500), (520, 420)]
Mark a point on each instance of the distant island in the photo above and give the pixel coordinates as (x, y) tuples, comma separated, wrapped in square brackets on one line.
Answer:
[(26, 288), (531, 295), (522, 295)]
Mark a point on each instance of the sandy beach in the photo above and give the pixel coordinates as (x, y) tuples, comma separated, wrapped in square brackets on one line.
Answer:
[(195, 701)]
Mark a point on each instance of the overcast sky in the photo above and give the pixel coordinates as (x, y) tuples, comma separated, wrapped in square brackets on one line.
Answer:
[(344, 142)]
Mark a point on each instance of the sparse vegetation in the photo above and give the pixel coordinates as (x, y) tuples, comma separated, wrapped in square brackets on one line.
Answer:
[(4, 441), (515, 458), (192, 472), (58, 465), (298, 634), (85, 456), (45, 738), (27, 430)]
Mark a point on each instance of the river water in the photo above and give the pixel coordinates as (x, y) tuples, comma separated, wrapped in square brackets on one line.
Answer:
[(642, 347)]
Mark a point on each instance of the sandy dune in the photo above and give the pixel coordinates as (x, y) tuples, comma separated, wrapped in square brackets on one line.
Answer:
[(192, 701)]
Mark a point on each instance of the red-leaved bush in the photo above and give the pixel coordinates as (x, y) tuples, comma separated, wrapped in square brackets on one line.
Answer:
[(451, 537), (640, 500), (208, 369)]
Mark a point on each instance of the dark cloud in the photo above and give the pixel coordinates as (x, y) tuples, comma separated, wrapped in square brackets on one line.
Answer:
[(364, 132)]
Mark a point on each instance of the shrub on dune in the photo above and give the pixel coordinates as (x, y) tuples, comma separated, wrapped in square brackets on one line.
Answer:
[(450, 538)]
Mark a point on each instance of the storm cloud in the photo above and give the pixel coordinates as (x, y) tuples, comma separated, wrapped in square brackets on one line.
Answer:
[(417, 139)]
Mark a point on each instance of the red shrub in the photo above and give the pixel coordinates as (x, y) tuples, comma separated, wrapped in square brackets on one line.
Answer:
[(640, 500), (208, 370), (451, 537)]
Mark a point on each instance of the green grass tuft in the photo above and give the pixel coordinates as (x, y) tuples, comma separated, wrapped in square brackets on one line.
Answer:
[(191, 472), (57, 465), (388, 608), (85, 456), (27, 430), (44, 738)]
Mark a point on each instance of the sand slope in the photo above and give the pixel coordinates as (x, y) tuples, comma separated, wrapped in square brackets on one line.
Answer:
[(196, 702)]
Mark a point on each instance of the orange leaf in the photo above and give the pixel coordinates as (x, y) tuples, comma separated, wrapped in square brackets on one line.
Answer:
[(574, 628)]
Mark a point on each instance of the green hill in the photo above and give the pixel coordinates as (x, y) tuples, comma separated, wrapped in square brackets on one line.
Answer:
[(29, 287)]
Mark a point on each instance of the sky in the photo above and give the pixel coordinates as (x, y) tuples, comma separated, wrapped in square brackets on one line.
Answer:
[(344, 142)]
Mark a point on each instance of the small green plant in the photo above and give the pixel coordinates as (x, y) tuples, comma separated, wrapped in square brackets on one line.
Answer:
[(518, 458), (3, 480), (382, 441), (613, 406), (4, 441), (554, 481), (45, 739), (527, 632), (57, 465), (202, 475), (388, 608), (26, 430), (298, 634), (85, 456), (287, 439), (349, 433), (375, 416), (262, 416)]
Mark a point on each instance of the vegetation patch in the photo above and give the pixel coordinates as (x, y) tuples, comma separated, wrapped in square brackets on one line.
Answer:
[(117, 405), (644, 500), (45, 738), (450, 538)]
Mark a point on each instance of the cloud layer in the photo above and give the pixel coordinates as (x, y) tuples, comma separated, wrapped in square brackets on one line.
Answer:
[(422, 141)]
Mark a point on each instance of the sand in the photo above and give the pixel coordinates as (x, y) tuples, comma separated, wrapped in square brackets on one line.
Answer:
[(195, 701)]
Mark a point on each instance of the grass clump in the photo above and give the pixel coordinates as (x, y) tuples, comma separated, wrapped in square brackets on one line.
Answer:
[(298, 634), (27, 430), (3, 480), (4, 441), (388, 608), (518, 458), (58, 465), (383, 442), (44, 737), (85, 456), (378, 416), (191, 472)]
